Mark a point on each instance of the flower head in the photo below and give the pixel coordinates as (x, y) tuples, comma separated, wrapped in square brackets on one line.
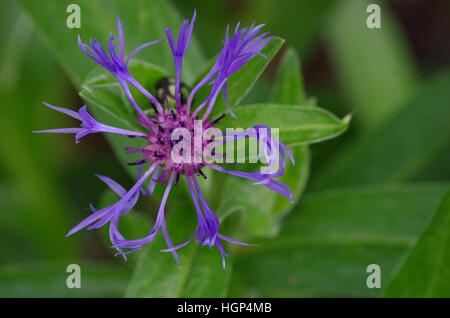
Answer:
[(173, 125)]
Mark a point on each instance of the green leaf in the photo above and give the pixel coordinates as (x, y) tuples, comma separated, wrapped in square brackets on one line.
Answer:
[(425, 271), (200, 273), (374, 67), (298, 125), (288, 85), (261, 208), (143, 21), (45, 279), (284, 19), (241, 82), (330, 239), (399, 149), (109, 105)]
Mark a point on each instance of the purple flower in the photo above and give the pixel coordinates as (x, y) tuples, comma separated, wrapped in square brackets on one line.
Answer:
[(157, 164)]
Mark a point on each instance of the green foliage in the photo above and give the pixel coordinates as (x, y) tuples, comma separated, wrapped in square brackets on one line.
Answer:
[(261, 209), (298, 124), (328, 241), (374, 67), (200, 273), (46, 279), (289, 85), (425, 271), (29, 180), (282, 19), (143, 21), (402, 147)]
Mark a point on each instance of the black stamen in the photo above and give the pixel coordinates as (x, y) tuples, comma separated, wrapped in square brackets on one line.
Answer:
[(157, 155), (215, 121), (173, 114), (161, 129), (177, 178), (200, 172), (136, 163), (154, 107)]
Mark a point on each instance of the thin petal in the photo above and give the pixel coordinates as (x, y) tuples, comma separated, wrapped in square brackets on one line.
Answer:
[(66, 111), (121, 38), (230, 240), (60, 131), (140, 48), (117, 188), (158, 224)]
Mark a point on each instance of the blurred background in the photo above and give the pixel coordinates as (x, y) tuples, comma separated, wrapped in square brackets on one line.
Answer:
[(375, 74)]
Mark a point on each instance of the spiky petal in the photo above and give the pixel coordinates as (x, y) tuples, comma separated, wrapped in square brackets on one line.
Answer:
[(89, 125)]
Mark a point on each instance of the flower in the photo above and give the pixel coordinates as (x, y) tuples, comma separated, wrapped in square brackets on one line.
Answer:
[(160, 126)]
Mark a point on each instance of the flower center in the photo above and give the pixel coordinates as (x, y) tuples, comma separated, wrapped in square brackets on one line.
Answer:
[(175, 138), (162, 140)]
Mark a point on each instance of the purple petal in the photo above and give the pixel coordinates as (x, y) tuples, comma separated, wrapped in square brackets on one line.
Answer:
[(117, 188), (228, 239), (140, 48), (160, 222), (117, 209), (121, 38), (87, 221), (237, 51), (60, 131), (179, 49), (66, 111), (225, 97)]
